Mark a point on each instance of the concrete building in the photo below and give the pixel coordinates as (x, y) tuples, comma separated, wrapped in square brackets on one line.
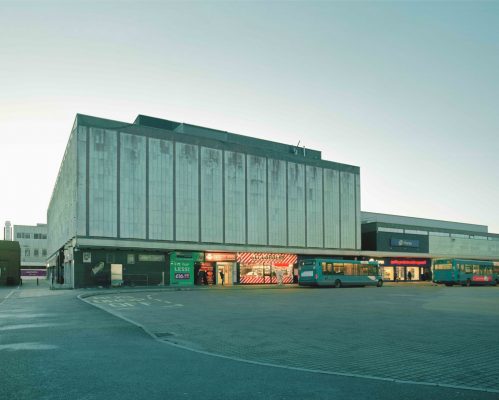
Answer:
[(157, 201), (409, 244), (33, 242)]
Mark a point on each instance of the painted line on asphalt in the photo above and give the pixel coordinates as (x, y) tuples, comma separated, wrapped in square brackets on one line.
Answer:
[(314, 371), (6, 297)]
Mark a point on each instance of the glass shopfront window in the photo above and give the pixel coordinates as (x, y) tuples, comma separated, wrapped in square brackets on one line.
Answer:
[(406, 269), (387, 273), (266, 268)]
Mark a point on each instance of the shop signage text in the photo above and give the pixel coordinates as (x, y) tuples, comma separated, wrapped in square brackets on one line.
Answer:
[(408, 262), (220, 256), (404, 243)]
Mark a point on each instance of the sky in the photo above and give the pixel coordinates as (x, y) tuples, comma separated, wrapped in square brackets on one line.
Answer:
[(407, 91)]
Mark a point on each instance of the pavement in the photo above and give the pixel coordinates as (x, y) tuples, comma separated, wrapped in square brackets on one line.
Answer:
[(411, 341)]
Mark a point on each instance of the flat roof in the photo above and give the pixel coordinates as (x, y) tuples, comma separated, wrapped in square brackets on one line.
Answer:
[(172, 130), (368, 217)]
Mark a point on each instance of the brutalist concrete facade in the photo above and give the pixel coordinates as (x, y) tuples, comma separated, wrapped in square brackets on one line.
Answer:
[(159, 186)]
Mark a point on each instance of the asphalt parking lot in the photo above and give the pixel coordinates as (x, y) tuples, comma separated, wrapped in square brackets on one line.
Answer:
[(417, 334)]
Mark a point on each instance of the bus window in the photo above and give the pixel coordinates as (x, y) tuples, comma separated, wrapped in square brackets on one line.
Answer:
[(324, 268), (329, 268), (350, 269), (443, 266), (338, 269)]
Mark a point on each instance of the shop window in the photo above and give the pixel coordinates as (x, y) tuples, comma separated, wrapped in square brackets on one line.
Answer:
[(130, 258)]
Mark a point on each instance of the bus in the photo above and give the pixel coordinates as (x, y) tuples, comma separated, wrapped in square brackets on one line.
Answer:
[(338, 273), (465, 272)]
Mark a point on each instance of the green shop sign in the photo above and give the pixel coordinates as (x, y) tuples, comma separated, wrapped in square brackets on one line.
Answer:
[(182, 267)]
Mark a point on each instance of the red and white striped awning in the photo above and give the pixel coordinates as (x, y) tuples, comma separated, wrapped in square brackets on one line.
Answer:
[(276, 259), (263, 280)]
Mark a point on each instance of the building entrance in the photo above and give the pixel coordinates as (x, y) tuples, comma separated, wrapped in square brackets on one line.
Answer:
[(405, 269), (225, 273)]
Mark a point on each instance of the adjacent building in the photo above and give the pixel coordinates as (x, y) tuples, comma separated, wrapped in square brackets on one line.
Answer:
[(33, 242), (157, 201), (408, 244)]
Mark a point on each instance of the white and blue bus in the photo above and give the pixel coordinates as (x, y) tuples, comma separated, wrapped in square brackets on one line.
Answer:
[(338, 273)]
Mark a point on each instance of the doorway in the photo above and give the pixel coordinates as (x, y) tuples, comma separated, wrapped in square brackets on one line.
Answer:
[(228, 273)]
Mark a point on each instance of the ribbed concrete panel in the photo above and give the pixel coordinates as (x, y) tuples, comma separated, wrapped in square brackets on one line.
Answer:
[(331, 208), (211, 196), (235, 198), (347, 210), (132, 186), (296, 204), (160, 189), (357, 212), (81, 202), (187, 193), (61, 214), (103, 196), (278, 224), (448, 246), (313, 183), (257, 199)]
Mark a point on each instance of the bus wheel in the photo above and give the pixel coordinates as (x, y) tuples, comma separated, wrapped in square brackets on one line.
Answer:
[(468, 283), (337, 283), (380, 283)]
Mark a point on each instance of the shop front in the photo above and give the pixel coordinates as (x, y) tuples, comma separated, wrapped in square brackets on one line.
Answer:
[(266, 268), (406, 269), (218, 269), (183, 266)]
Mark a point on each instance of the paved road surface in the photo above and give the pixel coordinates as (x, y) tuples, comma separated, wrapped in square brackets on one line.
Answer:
[(52, 345)]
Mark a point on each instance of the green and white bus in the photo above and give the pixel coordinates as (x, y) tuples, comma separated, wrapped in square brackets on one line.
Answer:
[(338, 273), (465, 272)]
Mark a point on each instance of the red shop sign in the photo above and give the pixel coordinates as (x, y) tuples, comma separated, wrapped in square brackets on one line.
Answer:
[(408, 262), (220, 256)]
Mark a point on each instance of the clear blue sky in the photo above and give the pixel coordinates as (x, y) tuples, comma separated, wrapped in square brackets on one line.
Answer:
[(407, 91)]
